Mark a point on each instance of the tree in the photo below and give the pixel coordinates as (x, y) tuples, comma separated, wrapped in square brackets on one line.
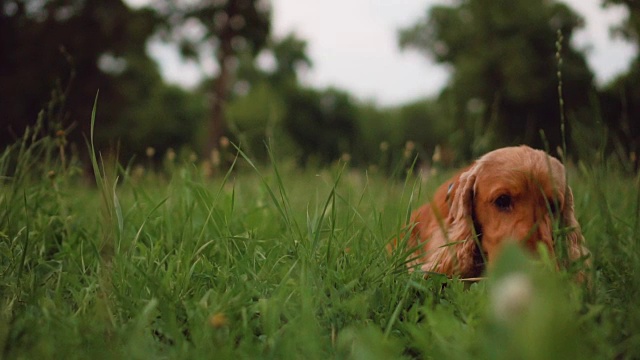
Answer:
[(321, 123), (504, 67), (232, 28), (621, 98), (44, 45), (257, 114), (291, 56), (74, 49), (630, 28)]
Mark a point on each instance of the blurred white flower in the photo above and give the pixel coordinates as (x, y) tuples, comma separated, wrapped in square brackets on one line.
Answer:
[(224, 142), (511, 296), (150, 151), (437, 154), (171, 155)]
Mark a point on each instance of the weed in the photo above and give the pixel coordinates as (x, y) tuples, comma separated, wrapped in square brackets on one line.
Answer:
[(278, 262)]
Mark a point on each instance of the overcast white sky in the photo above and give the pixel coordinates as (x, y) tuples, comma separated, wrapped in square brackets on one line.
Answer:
[(356, 49)]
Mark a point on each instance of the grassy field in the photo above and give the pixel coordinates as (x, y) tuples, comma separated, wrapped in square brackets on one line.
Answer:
[(278, 262)]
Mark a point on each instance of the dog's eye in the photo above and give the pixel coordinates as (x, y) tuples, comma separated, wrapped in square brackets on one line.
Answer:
[(503, 202)]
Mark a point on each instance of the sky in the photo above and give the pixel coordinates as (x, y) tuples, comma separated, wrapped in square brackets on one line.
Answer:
[(355, 49)]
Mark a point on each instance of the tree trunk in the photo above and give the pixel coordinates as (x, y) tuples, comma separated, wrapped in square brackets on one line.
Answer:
[(217, 125)]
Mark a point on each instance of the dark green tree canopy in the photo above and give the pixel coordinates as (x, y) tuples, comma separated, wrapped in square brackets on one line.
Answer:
[(74, 49), (234, 28), (503, 57), (313, 125), (291, 55), (322, 123), (288, 56), (630, 27), (620, 100)]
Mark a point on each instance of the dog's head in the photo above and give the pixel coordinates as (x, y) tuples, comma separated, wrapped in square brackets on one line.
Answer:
[(513, 194)]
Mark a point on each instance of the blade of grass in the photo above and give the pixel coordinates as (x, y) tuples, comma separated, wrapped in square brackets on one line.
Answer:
[(26, 240)]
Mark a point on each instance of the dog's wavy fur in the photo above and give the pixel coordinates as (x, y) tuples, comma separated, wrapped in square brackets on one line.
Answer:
[(512, 194)]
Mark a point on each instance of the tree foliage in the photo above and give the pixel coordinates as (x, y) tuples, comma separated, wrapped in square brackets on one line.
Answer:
[(621, 98), (503, 57), (322, 123), (233, 28), (75, 48), (311, 124), (630, 27)]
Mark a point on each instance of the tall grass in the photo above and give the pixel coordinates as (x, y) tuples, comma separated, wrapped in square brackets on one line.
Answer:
[(278, 262)]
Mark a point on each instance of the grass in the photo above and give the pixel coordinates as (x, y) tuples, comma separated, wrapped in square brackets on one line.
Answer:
[(278, 262)]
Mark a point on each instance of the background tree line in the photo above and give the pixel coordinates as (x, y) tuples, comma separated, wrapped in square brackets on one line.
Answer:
[(56, 54)]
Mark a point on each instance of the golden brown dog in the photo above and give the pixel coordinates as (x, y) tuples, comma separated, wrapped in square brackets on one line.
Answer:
[(512, 194)]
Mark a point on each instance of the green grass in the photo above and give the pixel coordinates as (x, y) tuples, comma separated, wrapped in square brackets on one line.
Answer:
[(277, 262)]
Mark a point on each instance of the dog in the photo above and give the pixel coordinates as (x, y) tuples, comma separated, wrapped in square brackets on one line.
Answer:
[(513, 194)]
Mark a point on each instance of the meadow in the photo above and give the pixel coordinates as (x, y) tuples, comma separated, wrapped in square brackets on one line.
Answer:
[(275, 261)]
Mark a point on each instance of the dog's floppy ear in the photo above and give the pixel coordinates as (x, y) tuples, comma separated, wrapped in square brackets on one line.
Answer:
[(575, 241), (457, 255)]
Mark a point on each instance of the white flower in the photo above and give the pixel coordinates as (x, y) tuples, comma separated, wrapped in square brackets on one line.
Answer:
[(511, 296)]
